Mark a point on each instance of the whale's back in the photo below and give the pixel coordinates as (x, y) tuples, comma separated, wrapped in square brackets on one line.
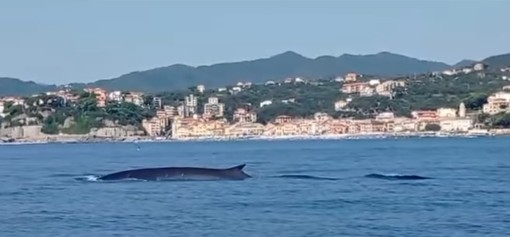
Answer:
[(180, 173)]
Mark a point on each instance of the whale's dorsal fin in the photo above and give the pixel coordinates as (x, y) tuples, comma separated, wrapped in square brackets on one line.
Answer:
[(238, 167)]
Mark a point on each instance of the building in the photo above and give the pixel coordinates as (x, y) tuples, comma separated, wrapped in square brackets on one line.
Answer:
[(180, 111), (201, 88), (115, 96), (170, 111), (479, 67), (236, 89), (156, 102), (134, 97), (462, 110), (351, 77), (450, 72), (456, 125), (354, 87), (321, 117), (497, 103), (467, 70), (334, 126), (374, 82), (2, 108), (425, 115), (385, 116), (367, 91), (193, 127), (213, 109), (265, 102), (283, 119), (386, 88), (190, 105), (153, 127), (245, 129), (282, 129), (446, 113), (242, 115), (404, 125), (340, 105), (100, 94)]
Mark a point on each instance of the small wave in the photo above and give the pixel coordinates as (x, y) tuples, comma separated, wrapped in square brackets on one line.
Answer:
[(310, 177), (88, 178), (396, 176)]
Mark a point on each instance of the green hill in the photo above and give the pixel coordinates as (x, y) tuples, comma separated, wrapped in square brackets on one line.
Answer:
[(288, 64), (498, 61), (278, 67), (17, 87)]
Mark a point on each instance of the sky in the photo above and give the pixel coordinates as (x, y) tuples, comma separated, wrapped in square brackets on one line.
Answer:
[(86, 40)]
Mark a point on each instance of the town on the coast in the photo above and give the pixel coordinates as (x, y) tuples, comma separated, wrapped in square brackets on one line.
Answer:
[(341, 106)]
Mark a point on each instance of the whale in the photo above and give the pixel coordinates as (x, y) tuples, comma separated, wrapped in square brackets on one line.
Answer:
[(396, 177), (180, 173)]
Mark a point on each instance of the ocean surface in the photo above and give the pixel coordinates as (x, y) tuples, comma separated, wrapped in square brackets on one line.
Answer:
[(49, 189)]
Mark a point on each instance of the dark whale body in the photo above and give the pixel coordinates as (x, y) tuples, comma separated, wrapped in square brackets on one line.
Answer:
[(180, 173), (396, 177)]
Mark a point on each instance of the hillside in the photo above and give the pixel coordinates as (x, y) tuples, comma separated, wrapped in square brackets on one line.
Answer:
[(464, 63), (17, 87), (498, 61), (288, 64)]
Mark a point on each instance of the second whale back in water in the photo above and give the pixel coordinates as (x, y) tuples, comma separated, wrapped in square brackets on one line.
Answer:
[(396, 177), (180, 173)]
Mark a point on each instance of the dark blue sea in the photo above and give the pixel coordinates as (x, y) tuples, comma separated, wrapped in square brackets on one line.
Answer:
[(49, 189)]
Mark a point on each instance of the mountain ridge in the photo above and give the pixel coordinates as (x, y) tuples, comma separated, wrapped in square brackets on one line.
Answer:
[(275, 67)]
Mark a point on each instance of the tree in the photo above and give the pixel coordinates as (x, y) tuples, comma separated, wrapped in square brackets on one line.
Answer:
[(500, 120), (475, 101)]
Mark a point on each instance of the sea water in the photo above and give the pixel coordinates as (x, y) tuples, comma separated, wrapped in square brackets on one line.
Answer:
[(299, 188)]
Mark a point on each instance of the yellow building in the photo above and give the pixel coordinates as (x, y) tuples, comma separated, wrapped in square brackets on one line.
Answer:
[(153, 127), (245, 129), (446, 113), (282, 129), (194, 127)]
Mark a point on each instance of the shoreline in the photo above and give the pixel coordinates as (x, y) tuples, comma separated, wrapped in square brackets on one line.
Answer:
[(70, 139)]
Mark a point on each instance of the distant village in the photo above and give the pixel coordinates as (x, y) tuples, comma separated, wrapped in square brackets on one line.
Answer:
[(185, 122)]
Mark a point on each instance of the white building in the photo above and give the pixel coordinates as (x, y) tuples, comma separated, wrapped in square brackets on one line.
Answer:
[(456, 125), (374, 82), (241, 115), (299, 80), (190, 105), (265, 102), (115, 96), (201, 88), (479, 67), (385, 116), (2, 107), (467, 70), (497, 103), (340, 105), (462, 110), (213, 108)]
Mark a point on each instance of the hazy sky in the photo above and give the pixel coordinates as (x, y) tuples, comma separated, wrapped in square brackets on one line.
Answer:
[(70, 40)]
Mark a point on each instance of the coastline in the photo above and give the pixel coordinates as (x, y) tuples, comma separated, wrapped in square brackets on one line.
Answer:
[(71, 139)]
